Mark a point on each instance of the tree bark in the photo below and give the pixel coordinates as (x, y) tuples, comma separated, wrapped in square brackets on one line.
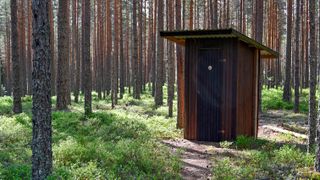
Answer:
[(63, 81), (159, 61), (313, 81), (17, 107), (297, 60), (287, 83), (41, 109), (86, 59)]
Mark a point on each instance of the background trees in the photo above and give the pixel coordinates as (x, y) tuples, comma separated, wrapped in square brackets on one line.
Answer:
[(119, 43)]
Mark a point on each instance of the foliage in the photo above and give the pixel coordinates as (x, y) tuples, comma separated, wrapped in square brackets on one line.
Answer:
[(272, 99), (116, 143), (261, 159)]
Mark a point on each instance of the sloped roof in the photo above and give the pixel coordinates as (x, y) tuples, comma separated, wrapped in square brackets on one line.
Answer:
[(179, 37)]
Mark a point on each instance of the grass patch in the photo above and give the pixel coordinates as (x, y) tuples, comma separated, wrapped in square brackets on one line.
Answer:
[(120, 143), (262, 159), (272, 99)]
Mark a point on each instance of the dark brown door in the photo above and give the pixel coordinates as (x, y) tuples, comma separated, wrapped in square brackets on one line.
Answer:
[(210, 66)]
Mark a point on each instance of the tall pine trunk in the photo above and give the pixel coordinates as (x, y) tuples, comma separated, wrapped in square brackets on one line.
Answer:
[(297, 60), (313, 79), (160, 60), (86, 57), (63, 81), (17, 107), (41, 88), (287, 83)]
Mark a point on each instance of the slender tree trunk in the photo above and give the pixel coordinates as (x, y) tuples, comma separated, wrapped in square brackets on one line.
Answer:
[(122, 62), (135, 72), (109, 47), (41, 109), (63, 82), (287, 83), (259, 35), (17, 107), (22, 48), (180, 70), (160, 61), (29, 52), (171, 62), (87, 81), (297, 60)]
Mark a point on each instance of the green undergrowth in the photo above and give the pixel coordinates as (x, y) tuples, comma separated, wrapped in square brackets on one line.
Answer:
[(272, 99), (261, 159), (120, 143)]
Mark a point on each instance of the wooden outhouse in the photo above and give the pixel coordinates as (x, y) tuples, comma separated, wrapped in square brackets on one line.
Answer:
[(221, 72)]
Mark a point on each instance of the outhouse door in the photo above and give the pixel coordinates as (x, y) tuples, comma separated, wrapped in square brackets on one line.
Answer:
[(210, 67)]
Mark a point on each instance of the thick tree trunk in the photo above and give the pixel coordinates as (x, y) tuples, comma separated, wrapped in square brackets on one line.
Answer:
[(41, 110), (313, 81), (17, 107)]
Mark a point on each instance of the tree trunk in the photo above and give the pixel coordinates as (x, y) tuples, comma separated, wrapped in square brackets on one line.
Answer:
[(287, 83), (41, 109), (63, 82), (258, 37), (297, 60), (171, 62), (76, 50), (17, 107), (86, 57), (313, 81), (122, 62), (135, 72), (159, 61)]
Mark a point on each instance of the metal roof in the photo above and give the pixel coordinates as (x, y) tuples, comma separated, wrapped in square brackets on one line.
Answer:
[(180, 36)]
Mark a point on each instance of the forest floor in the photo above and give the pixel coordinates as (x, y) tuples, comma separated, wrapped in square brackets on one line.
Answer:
[(138, 141), (198, 158)]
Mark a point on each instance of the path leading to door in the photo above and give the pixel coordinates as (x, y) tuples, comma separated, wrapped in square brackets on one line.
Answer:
[(198, 158)]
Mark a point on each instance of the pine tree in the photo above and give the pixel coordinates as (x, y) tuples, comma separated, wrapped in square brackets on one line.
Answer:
[(297, 60), (287, 83), (63, 81), (313, 78), (160, 59), (86, 59), (17, 106), (41, 109)]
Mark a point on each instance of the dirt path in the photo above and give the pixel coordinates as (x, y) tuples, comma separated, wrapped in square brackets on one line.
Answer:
[(197, 157)]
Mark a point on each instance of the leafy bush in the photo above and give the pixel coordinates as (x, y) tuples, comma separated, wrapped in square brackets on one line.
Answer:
[(244, 142), (289, 155)]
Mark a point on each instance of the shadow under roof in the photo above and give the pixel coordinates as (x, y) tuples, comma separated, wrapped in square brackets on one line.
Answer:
[(180, 37)]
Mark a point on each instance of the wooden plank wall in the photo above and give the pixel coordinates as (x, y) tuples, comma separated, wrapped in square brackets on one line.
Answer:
[(245, 90)]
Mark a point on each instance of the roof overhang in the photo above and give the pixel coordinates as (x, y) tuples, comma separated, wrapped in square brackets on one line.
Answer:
[(180, 37)]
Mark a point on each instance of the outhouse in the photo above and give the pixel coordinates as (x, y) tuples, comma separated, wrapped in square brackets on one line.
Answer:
[(221, 73)]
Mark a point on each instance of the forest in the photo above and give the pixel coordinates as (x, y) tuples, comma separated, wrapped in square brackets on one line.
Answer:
[(159, 89)]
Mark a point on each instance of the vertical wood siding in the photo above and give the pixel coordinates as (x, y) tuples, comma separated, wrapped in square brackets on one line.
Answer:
[(238, 109)]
